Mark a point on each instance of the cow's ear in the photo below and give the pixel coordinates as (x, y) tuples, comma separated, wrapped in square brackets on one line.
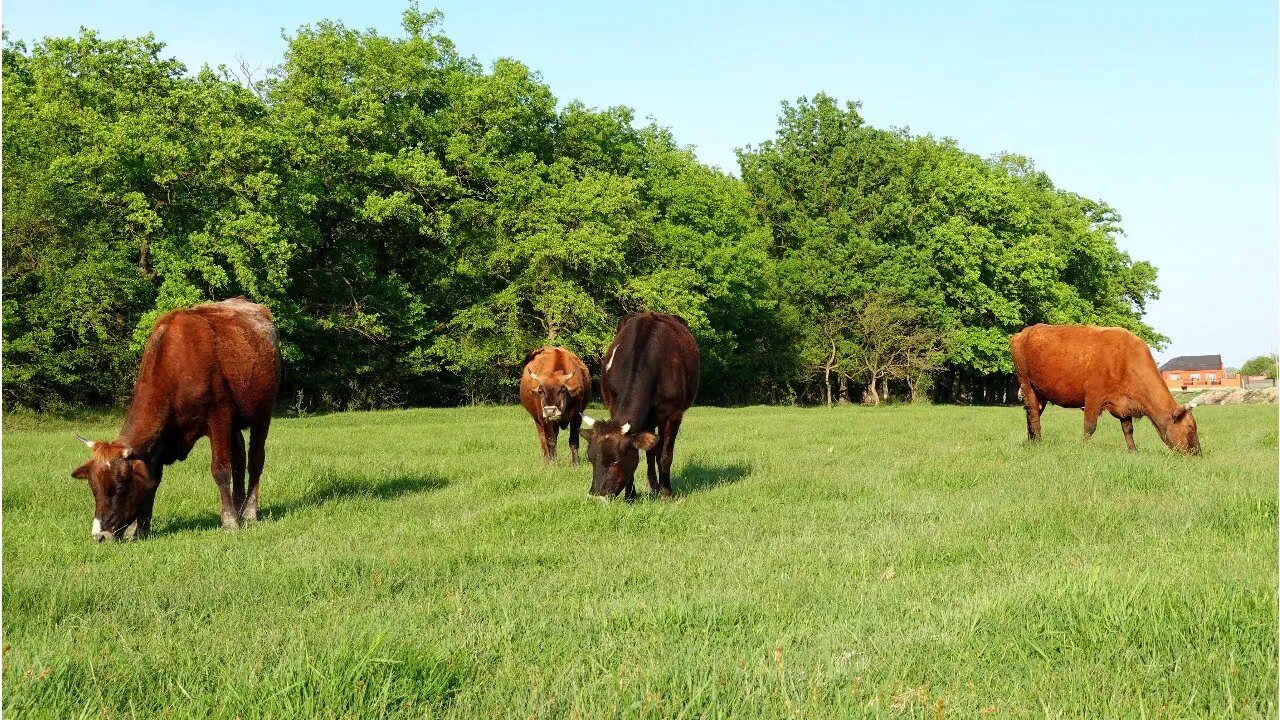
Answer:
[(1180, 413), (644, 441), (82, 472), (529, 356), (140, 473)]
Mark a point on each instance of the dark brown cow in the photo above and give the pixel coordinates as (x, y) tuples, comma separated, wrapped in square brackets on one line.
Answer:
[(555, 388), (212, 369), (1098, 368), (650, 378)]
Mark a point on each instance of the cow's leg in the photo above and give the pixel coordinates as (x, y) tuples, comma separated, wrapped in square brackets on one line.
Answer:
[(1091, 412), (651, 456), (237, 470), (550, 431), (670, 428), (574, 425), (1033, 407), (220, 446), (257, 458), (1126, 424), (542, 438), (148, 504)]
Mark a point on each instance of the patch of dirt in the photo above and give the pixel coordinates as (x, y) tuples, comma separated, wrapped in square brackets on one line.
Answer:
[(1237, 396)]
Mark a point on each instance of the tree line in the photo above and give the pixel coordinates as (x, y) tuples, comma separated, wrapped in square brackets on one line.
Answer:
[(417, 222)]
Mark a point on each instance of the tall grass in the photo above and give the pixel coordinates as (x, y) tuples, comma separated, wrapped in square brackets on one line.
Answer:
[(902, 561)]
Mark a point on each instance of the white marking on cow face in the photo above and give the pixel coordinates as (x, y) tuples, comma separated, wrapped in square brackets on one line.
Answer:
[(97, 528), (612, 355), (550, 412)]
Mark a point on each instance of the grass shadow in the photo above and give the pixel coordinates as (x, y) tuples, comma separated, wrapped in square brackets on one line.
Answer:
[(697, 477), (332, 491)]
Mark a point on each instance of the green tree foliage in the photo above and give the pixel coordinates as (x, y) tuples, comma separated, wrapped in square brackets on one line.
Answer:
[(416, 222), (980, 247), (1260, 365), (126, 193)]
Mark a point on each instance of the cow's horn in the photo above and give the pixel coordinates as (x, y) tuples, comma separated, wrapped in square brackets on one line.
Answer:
[(1193, 404), (626, 428), (535, 377), (566, 377), (128, 453), (87, 443), (587, 421)]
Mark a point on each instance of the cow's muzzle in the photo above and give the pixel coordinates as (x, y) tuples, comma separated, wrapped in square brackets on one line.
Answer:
[(550, 412)]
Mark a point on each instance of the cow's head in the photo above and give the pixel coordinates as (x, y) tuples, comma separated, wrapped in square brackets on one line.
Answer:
[(1181, 434), (120, 483), (614, 453), (552, 392)]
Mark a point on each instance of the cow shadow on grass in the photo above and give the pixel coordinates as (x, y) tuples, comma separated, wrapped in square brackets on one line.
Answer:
[(697, 477), (337, 490)]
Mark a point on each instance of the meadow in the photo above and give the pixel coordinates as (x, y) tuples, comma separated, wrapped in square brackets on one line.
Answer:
[(887, 562)]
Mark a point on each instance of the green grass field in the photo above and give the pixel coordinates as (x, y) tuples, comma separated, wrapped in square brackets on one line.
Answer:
[(902, 561)]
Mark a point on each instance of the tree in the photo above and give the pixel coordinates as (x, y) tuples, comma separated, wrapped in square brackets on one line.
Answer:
[(129, 189), (1260, 365), (417, 221), (891, 339), (980, 247)]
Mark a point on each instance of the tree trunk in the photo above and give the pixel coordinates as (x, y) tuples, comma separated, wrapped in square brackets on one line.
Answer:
[(884, 388), (870, 397), (826, 383), (144, 260)]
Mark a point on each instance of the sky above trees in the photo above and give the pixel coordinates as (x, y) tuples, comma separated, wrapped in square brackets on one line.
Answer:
[(1166, 113)]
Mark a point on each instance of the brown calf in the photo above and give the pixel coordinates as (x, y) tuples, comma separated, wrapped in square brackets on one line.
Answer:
[(212, 369), (1098, 368), (555, 388)]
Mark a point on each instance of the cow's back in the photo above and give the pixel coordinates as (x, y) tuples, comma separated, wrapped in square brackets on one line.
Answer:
[(652, 365), (225, 352), (1065, 364)]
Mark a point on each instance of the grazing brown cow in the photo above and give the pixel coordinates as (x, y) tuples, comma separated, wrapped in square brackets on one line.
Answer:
[(555, 388), (212, 369), (650, 378), (1098, 368)]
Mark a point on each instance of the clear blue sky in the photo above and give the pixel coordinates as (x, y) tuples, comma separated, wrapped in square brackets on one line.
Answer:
[(1165, 110)]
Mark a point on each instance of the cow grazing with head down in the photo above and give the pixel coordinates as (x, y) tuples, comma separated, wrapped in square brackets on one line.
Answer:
[(1098, 368), (212, 369), (650, 377), (555, 388)]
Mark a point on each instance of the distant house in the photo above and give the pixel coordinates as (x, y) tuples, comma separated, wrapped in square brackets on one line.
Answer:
[(1196, 371)]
